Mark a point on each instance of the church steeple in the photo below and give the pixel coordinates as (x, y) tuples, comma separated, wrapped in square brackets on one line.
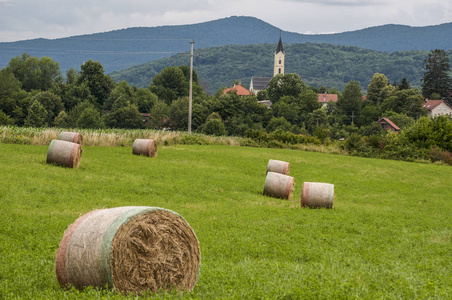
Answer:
[(279, 59), (280, 46)]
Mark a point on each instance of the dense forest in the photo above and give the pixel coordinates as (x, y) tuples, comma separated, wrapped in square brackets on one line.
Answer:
[(124, 48), (317, 64)]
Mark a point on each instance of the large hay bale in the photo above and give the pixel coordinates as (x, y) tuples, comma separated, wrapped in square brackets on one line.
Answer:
[(145, 147), (132, 249), (63, 153), (278, 166), (279, 185), (317, 195), (73, 137)]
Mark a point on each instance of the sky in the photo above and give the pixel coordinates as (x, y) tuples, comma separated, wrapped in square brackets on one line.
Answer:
[(29, 19)]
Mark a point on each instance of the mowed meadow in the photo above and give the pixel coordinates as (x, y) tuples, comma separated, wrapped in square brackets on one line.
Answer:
[(389, 235)]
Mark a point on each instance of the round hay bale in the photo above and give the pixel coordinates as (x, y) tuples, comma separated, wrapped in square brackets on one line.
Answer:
[(73, 137), (317, 195), (63, 153), (278, 166), (279, 185), (132, 249), (145, 147)]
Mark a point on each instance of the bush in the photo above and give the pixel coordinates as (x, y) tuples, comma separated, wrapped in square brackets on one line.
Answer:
[(214, 127), (354, 143), (5, 119), (436, 154), (435, 132)]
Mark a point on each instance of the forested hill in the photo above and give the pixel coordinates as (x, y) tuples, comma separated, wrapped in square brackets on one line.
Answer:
[(120, 49), (317, 64)]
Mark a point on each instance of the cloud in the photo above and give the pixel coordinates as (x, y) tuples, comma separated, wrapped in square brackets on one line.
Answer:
[(55, 18), (342, 2)]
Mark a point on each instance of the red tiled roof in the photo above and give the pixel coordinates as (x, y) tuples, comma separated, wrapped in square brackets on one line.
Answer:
[(325, 98), (431, 104), (389, 122), (239, 90)]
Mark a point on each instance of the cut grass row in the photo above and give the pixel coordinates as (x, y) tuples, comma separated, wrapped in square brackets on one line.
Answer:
[(389, 235)]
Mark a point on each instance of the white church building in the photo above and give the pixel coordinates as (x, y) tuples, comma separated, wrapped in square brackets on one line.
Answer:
[(261, 83)]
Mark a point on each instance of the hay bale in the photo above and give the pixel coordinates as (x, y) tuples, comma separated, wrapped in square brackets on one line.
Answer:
[(132, 249), (145, 147), (63, 153), (317, 195), (279, 185), (278, 166), (73, 137)]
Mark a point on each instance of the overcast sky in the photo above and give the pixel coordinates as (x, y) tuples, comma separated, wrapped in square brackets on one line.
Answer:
[(28, 19)]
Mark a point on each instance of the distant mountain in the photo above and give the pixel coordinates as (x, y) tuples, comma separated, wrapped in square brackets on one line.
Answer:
[(120, 49), (317, 64)]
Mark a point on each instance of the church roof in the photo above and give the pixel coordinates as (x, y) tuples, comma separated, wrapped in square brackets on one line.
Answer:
[(260, 83), (280, 46)]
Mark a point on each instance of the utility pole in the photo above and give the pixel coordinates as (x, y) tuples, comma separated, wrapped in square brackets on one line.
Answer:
[(190, 93), (353, 116)]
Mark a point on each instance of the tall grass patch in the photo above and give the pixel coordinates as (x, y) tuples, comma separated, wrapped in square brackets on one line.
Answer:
[(388, 236)]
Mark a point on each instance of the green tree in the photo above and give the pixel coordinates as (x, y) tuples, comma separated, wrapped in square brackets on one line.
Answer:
[(145, 100), (290, 108), (122, 91), (350, 102), (285, 85), (5, 119), (63, 120), (73, 94), (369, 114), (74, 114), (404, 84), (262, 95), (71, 76), (317, 118), (375, 87), (159, 115), (214, 125), (178, 114), (90, 118), (169, 85), (408, 102), (436, 76), (127, 117), (51, 102), (37, 115), (9, 88), (99, 84), (35, 74), (279, 124)]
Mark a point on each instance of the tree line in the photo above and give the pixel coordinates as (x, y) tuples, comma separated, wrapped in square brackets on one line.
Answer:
[(34, 93)]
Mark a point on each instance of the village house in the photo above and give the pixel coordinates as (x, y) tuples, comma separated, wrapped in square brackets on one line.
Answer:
[(387, 124), (437, 107), (238, 89), (325, 98)]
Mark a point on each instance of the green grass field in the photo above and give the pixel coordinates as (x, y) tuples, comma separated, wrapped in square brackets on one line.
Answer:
[(388, 236)]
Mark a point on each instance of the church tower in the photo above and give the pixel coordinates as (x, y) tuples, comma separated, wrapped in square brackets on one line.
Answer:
[(279, 59)]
